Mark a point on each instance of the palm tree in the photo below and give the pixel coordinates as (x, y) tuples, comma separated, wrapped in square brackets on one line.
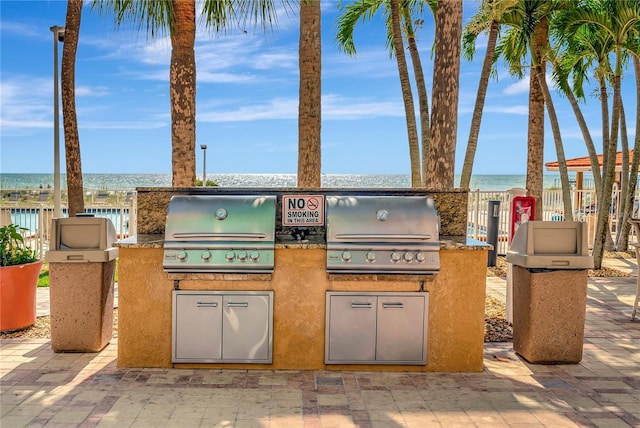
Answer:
[(585, 49), (528, 36), (574, 61), (620, 21), (446, 83), (75, 193), (398, 46), (182, 81), (486, 19), (557, 137), (418, 75), (628, 202), (366, 9), (178, 17), (309, 107)]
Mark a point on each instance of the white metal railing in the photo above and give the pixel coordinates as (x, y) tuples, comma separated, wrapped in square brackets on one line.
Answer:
[(583, 202), (120, 207), (35, 217)]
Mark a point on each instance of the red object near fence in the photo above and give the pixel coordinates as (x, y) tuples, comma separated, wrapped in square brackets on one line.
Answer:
[(523, 208)]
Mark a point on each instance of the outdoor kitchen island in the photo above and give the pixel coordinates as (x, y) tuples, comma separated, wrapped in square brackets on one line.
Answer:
[(299, 288)]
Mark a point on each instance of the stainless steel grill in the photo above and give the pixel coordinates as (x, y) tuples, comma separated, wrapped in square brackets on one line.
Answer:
[(220, 233), (382, 234)]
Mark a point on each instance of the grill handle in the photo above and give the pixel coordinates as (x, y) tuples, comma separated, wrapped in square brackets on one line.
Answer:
[(219, 235), (357, 236), (393, 305), (356, 305), (207, 304), (238, 304)]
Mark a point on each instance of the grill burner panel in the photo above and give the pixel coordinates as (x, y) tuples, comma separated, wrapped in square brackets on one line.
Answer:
[(216, 233), (387, 261), (382, 234)]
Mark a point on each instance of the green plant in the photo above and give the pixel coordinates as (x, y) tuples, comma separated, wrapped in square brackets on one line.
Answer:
[(43, 279), (13, 250), (210, 183)]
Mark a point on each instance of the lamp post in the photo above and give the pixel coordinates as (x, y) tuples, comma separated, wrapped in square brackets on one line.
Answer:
[(204, 164), (58, 36)]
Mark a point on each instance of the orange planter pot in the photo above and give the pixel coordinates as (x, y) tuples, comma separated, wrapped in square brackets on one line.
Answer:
[(18, 295)]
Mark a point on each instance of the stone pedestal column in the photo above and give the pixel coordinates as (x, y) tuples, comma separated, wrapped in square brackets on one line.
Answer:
[(549, 314), (81, 305)]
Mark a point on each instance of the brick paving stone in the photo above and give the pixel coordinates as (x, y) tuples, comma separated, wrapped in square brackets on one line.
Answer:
[(41, 388)]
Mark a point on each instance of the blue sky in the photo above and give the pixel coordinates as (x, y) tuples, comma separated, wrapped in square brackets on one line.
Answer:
[(247, 95)]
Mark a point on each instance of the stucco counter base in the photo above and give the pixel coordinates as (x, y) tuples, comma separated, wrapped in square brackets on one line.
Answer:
[(455, 325)]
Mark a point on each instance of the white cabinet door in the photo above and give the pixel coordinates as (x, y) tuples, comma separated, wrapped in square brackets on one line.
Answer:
[(351, 329), (222, 327), (376, 328), (197, 327), (400, 333), (246, 328)]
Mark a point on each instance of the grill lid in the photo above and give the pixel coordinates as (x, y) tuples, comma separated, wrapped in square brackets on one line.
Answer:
[(220, 233), (403, 219), (382, 234), (220, 220)]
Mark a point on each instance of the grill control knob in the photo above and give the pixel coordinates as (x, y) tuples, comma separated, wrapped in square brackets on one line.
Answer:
[(395, 257), (420, 257), (182, 256), (370, 256), (206, 256), (221, 214), (254, 255), (346, 256), (382, 215), (242, 256), (407, 257), (230, 256)]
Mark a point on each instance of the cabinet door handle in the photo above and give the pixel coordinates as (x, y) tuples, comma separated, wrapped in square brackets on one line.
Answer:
[(393, 305), (207, 304), (238, 304), (356, 305)]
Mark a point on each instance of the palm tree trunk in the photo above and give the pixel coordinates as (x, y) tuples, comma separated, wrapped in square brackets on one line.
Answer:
[(407, 96), (604, 113), (629, 202), (591, 148), (535, 132), (75, 193), (472, 143), (602, 229), (557, 138), (619, 205), (309, 107), (182, 81), (446, 85), (421, 87), (606, 139)]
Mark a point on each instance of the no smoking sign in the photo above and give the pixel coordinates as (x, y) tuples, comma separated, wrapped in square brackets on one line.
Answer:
[(303, 210)]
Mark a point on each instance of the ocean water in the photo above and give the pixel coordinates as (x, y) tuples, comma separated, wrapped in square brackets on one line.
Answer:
[(131, 181)]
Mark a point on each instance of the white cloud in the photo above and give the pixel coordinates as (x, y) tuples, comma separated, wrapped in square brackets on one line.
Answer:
[(339, 108), (97, 91), (367, 64), (275, 109), (517, 109), (519, 87), (209, 77), (22, 30), (26, 103), (333, 108), (134, 125), (522, 86)]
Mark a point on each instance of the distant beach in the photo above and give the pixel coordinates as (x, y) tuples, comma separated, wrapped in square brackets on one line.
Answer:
[(131, 181)]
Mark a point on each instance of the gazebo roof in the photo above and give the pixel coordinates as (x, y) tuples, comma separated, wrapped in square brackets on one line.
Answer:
[(583, 164)]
